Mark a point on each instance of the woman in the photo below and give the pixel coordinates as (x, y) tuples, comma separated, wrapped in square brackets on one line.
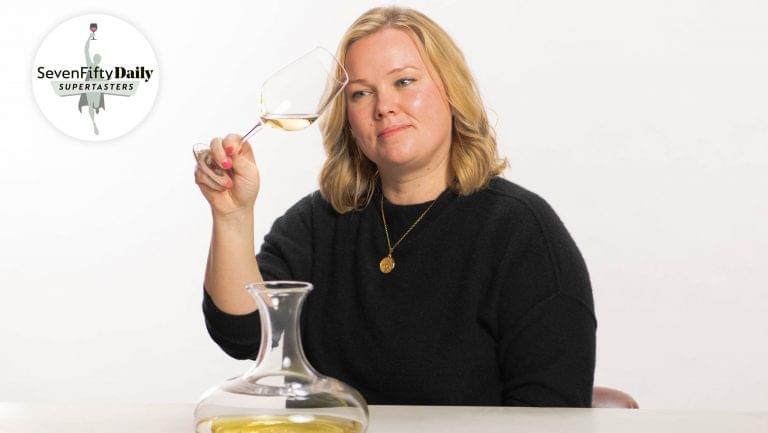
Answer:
[(436, 281)]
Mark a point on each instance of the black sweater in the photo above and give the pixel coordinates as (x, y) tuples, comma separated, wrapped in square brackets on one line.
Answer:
[(489, 303)]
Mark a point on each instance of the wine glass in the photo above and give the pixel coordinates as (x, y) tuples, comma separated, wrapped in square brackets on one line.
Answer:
[(94, 27), (293, 97)]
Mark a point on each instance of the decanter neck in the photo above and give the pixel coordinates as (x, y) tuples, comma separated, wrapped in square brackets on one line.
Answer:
[(281, 352)]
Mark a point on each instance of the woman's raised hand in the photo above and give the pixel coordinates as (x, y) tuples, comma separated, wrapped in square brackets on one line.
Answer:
[(227, 175)]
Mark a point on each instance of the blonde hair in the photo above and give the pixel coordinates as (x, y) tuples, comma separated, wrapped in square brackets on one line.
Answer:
[(348, 178)]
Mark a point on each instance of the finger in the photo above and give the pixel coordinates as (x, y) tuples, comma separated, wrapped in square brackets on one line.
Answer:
[(217, 176), (246, 149), (243, 161), (202, 178), (220, 160), (206, 189), (232, 144), (200, 150), (203, 156)]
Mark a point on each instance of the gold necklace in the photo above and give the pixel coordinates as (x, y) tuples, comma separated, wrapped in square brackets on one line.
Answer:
[(387, 264)]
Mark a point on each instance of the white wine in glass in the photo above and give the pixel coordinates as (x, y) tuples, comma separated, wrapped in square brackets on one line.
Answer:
[(293, 97), (289, 122)]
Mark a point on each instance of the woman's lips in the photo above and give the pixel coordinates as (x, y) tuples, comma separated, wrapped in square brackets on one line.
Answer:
[(389, 132)]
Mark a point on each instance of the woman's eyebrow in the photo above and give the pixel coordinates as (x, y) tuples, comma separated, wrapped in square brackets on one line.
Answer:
[(398, 69), (401, 68)]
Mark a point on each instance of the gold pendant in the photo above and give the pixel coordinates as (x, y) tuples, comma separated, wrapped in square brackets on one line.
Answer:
[(387, 264)]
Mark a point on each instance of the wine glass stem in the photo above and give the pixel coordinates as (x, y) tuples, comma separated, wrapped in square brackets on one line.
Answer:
[(253, 130)]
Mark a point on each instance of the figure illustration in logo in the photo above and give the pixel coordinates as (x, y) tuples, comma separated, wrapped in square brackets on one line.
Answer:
[(94, 100)]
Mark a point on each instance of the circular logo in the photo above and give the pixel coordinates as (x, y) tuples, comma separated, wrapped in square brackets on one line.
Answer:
[(95, 77)]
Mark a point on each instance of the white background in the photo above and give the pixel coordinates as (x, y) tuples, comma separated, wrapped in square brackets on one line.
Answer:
[(644, 124)]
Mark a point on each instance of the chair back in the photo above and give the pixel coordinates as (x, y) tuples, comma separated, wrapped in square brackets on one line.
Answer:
[(604, 397)]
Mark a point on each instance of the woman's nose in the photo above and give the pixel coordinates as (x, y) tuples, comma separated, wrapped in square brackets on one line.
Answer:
[(386, 104)]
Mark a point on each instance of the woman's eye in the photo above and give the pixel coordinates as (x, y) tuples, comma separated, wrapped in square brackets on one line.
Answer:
[(405, 82), (357, 94)]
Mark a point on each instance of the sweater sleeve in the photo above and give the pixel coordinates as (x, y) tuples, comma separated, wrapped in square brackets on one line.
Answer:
[(546, 315), (286, 254), (239, 336)]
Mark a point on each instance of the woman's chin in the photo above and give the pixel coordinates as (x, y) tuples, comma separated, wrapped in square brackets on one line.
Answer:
[(396, 154), (396, 161)]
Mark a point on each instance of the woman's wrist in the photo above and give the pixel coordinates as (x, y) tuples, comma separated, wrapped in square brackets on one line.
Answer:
[(239, 216)]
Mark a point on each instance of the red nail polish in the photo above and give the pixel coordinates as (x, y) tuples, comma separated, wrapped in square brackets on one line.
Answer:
[(226, 164), (229, 150)]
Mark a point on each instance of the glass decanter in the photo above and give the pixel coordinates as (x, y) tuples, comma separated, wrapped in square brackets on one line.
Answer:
[(281, 392)]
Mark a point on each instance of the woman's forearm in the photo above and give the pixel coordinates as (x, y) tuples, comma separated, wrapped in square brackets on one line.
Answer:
[(232, 263)]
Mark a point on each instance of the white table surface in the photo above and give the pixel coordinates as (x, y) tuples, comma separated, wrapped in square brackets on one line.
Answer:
[(63, 418)]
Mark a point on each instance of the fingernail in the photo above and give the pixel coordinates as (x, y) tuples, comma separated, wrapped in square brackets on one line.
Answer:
[(229, 150), (227, 163), (229, 183)]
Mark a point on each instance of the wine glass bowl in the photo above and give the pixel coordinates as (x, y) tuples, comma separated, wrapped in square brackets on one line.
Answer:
[(294, 97)]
